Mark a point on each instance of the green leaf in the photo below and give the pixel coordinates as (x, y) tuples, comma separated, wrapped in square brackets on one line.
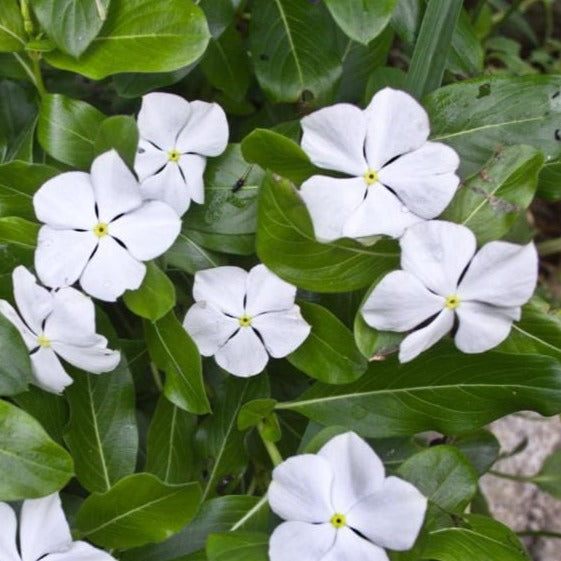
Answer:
[(155, 297), (15, 367), (329, 354), (135, 84), (361, 21), (19, 232), (102, 433), (253, 412), (219, 14), (490, 201), (170, 444), (288, 59), (287, 245), (136, 38), (238, 546), (549, 477), (188, 255), (68, 129), (174, 352), (119, 133), (466, 52), (32, 465), (71, 24), (479, 117), (12, 32), (481, 448), (429, 393), (139, 509), (549, 183)]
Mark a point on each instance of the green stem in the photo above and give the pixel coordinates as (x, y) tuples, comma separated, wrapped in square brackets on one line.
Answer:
[(511, 477), (549, 247), (39, 84), (271, 448), (26, 16), (540, 534), (156, 376)]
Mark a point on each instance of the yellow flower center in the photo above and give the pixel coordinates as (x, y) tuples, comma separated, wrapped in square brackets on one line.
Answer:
[(101, 229), (338, 520), (244, 321), (452, 301), (43, 341), (174, 155), (370, 177)]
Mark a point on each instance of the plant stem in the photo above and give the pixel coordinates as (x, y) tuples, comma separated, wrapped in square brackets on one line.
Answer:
[(549, 247), (540, 534), (271, 448), (39, 84), (156, 376), (512, 477)]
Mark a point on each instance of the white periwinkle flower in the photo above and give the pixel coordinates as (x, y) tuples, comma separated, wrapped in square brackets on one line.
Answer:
[(397, 178), (339, 506), (60, 322), (175, 137), (99, 229), (43, 534), (243, 317), (442, 278)]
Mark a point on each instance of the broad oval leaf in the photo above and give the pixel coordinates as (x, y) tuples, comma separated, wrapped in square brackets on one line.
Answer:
[(15, 367), (12, 32), (549, 185), (549, 477), (121, 133), (187, 253), (238, 546)]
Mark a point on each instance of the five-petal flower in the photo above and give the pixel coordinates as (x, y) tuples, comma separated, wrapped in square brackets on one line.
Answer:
[(442, 278), (99, 229), (338, 505), (62, 323), (241, 317), (43, 534), (175, 137), (397, 177)]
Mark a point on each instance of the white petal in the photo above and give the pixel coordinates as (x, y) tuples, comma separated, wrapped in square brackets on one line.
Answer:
[(243, 355), (62, 255), (66, 201), (206, 130), (96, 359), (300, 541), (34, 302), (8, 523), (392, 517), (380, 213), (301, 489), (437, 253), (422, 339), (209, 327), (424, 180), (12, 316), (193, 168), (282, 332), (397, 124), (223, 287), (148, 160), (400, 302), (357, 470), (43, 527), (266, 292), (116, 190), (502, 274), (148, 231), (168, 186), (48, 372), (482, 327), (334, 138), (161, 118), (349, 546), (331, 202), (80, 551), (111, 271)]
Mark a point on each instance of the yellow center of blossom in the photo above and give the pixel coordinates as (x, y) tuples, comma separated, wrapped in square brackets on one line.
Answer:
[(43, 341), (452, 302), (370, 177), (101, 229), (244, 321), (174, 155), (338, 520)]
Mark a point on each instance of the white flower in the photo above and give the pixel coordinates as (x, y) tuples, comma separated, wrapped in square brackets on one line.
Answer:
[(339, 506), (62, 323), (99, 230), (443, 277), (175, 137), (43, 534), (242, 317), (397, 177)]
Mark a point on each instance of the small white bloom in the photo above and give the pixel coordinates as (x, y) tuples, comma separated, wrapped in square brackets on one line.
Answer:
[(175, 137), (98, 229), (241, 318), (62, 323), (443, 277), (338, 505), (43, 534), (397, 177)]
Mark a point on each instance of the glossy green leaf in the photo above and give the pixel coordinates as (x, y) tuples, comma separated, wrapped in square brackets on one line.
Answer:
[(490, 201), (549, 477), (154, 298), (238, 546), (481, 448), (136, 38), (329, 354), (253, 412), (12, 32), (135, 84), (466, 51), (68, 129), (119, 133), (15, 367), (549, 183), (187, 254), (139, 509), (428, 393), (32, 465), (287, 245), (174, 352), (71, 24), (19, 232), (288, 59)]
